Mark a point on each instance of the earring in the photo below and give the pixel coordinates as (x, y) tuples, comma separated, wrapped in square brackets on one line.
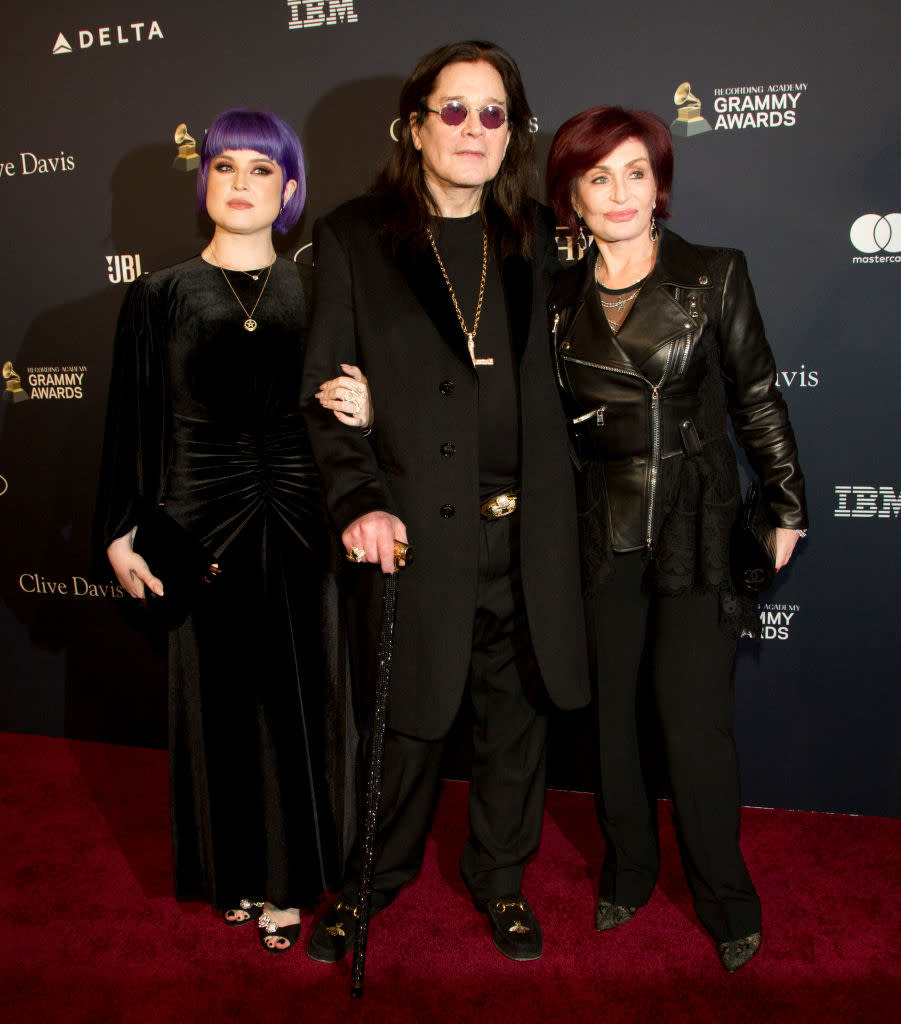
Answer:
[(581, 238), (653, 232)]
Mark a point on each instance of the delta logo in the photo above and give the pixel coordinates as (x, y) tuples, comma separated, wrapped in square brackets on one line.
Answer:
[(108, 35)]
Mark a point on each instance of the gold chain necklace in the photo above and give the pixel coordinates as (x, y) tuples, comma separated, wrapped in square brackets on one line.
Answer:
[(249, 324), (470, 334)]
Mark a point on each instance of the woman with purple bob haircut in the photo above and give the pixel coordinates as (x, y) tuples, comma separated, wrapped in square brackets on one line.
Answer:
[(206, 451), (263, 132)]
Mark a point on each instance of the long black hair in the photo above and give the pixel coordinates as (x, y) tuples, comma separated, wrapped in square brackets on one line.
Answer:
[(510, 195)]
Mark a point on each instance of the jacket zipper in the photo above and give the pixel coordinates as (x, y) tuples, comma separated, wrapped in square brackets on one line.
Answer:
[(655, 465), (655, 453), (655, 433), (597, 413)]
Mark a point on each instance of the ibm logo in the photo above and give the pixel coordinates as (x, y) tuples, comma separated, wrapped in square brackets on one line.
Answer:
[(314, 14), (859, 501)]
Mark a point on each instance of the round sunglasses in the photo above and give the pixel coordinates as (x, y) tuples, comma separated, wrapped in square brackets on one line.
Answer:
[(454, 113)]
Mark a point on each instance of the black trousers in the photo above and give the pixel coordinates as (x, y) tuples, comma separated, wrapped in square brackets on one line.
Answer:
[(506, 796), (691, 661)]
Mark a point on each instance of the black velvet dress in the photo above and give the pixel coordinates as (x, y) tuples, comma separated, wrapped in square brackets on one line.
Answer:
[(206, 415)]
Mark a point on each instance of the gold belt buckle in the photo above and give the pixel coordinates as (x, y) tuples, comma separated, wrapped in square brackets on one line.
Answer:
[(500, 505)]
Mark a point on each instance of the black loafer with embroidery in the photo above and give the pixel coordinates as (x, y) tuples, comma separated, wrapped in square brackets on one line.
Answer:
[(517, 933), (333, 936)]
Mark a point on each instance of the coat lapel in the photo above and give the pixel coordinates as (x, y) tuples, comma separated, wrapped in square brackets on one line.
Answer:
[(658, 313), (589, 333), (423, 276), (656, 318)]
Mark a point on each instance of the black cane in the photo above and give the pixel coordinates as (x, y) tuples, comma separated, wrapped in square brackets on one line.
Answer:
[(374, 770)]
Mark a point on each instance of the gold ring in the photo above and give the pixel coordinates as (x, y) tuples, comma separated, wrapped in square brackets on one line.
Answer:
[(403, 552), (356, 554)]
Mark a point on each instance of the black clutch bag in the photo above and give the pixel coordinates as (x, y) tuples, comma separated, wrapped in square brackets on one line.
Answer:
[(177, 558), (753, 546)]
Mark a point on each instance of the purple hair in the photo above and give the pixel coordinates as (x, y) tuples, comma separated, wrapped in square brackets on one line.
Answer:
[(265, 133)]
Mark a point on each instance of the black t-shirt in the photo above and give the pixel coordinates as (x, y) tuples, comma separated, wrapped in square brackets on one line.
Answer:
[(459, 241)]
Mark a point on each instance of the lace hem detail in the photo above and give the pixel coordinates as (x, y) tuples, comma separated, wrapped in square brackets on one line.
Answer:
[(699, 502)]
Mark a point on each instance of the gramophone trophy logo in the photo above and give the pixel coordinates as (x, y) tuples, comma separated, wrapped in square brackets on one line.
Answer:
[(14, 391), (188, 158), (688, 119)]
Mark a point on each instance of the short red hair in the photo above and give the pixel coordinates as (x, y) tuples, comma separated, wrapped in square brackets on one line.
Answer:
[(583, 142)]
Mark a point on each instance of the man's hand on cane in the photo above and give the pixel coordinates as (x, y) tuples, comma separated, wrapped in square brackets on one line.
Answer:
[(371, 539)]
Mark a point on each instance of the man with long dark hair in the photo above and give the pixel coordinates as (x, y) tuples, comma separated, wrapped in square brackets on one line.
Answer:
[(435, 285)]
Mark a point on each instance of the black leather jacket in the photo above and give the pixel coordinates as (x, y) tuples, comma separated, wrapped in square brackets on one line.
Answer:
[(699, 352)]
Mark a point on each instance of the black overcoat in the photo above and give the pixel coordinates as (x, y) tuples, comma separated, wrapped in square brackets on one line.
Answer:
[(391, 315)]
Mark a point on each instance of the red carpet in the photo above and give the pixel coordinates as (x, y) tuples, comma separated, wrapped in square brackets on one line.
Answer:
[(90, 932)]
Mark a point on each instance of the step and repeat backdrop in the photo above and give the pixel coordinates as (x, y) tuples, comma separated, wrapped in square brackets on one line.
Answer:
[(787, 126)]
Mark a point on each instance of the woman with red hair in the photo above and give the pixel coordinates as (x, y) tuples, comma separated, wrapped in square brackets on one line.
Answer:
[(658, 343)]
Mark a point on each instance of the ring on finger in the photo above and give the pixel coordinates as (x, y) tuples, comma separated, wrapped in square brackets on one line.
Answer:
[(356, 554)]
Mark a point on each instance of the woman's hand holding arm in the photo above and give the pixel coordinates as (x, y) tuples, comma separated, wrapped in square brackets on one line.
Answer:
[(130, 568), (348, 397)]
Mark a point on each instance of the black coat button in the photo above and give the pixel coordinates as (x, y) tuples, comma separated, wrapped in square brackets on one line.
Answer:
[(447, 511), (447, 387), (703, 279), (448, 449)]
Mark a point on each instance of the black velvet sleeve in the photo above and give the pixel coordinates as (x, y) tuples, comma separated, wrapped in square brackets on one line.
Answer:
[(354, 482), (137, 419)]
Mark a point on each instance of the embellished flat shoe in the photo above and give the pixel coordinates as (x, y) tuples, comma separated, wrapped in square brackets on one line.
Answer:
[(277, 938), (609, 915), (246, 911), (515, 929), (737, 952)]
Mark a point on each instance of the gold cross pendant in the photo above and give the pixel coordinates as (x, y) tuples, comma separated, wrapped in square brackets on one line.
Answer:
[(471, 342)]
